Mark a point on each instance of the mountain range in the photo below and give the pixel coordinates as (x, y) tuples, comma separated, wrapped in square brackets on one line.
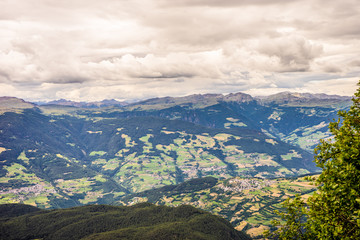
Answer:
[(64, 154), (98, 104)]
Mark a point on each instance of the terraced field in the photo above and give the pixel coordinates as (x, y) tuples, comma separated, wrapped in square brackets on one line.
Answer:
[(248, 203)]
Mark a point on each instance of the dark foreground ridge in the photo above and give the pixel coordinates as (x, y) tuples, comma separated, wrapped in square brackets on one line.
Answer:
[(141, 221)]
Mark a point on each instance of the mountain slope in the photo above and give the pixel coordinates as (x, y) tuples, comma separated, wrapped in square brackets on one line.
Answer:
[(142, 221), (12, 104), (59, 161), (299, 119), (61, 156), (248, 203)]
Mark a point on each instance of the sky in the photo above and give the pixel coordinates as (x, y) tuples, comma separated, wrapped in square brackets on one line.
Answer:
[(90, 50)]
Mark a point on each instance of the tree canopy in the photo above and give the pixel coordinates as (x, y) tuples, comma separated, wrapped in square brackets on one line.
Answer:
[(332, 212)]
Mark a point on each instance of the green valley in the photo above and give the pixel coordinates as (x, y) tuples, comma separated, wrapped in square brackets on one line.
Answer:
[(248, 152)]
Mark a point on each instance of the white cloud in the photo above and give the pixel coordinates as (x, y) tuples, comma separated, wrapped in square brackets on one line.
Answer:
[(293, 52), (90, 50)]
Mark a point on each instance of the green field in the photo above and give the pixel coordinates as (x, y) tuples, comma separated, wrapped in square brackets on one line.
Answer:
[(248, 203)]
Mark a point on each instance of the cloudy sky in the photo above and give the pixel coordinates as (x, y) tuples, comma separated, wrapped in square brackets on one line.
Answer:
[(87, 50)]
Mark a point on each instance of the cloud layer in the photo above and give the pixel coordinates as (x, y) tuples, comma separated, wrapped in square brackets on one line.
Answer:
[(132, 49)]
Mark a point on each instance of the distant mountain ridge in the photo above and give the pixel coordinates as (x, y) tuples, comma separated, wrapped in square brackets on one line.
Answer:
[(298, 99), (305, 95), (98, 104), (282, 98), (200, 99)]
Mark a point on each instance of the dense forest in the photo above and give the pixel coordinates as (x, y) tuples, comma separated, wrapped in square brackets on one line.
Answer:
[(141, 221)]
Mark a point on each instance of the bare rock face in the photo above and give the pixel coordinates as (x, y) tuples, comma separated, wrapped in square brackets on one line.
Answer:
[(238, 97)]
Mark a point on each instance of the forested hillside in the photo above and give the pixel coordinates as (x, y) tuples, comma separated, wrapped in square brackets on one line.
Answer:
[(141, 221)]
